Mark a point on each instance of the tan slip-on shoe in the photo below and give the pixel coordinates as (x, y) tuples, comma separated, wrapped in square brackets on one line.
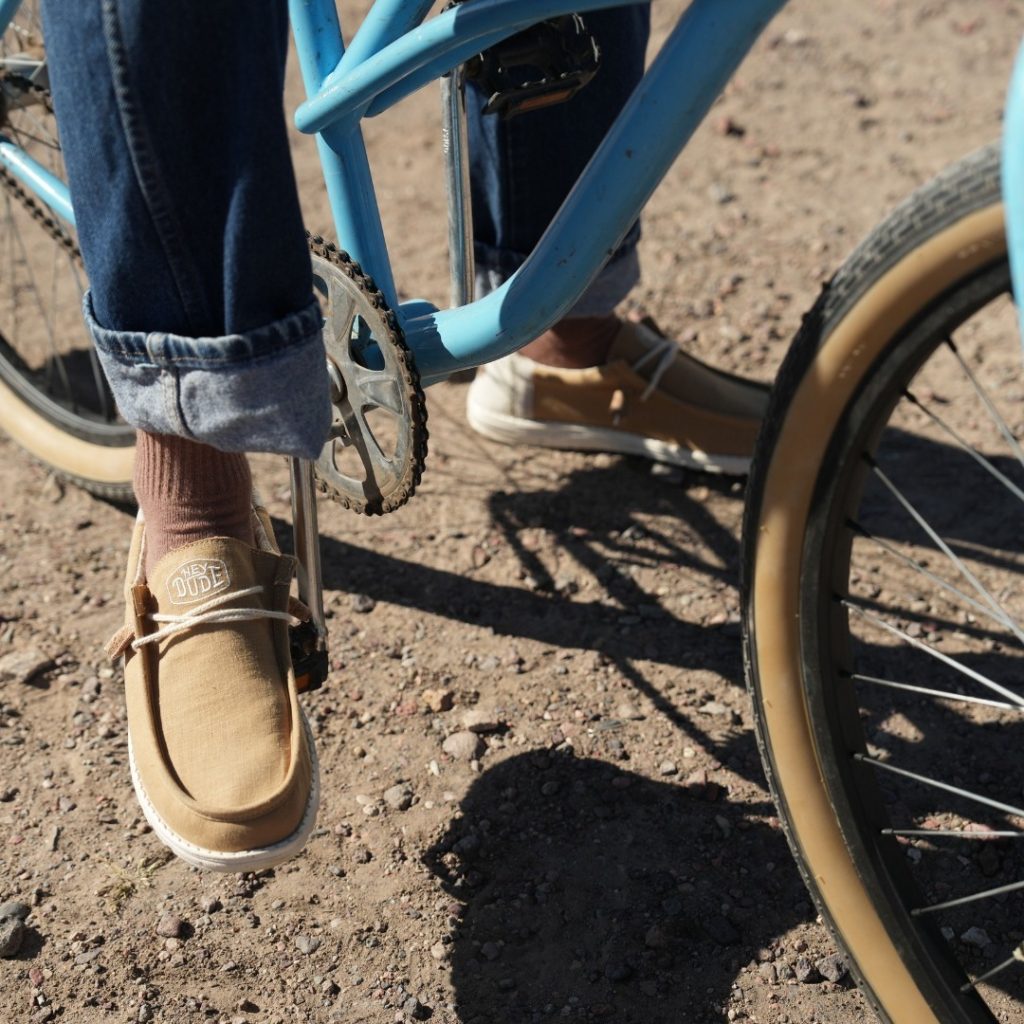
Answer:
[(222, 758), (650, 398)]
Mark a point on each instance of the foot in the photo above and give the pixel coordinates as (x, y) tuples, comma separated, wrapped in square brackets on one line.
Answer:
[(222, 758), (646, 397)]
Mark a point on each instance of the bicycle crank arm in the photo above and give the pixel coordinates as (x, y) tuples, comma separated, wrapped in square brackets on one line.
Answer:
[(309, 639)]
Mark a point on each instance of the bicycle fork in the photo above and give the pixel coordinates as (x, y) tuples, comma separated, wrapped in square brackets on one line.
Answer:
[(309, 639)]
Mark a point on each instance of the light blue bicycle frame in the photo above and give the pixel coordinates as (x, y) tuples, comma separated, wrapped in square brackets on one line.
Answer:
[(395, 52)]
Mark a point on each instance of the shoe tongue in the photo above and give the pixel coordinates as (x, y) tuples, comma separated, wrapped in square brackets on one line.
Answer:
[(198, 572)]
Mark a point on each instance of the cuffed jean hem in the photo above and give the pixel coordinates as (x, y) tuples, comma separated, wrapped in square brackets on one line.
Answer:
[(616, 279), (262, 391)]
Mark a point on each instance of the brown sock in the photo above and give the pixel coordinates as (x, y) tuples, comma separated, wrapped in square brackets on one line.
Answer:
[(575, 343), (188, 491)]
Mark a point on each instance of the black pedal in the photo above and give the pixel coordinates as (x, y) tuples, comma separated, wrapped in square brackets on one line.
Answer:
[(309, 657), (541, 66)]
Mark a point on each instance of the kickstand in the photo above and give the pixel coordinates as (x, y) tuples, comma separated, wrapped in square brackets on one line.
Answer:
[(309, 639)]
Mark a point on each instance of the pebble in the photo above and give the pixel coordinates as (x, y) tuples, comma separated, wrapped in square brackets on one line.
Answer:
[(398, 797), (14, 908), (491, 950), (439, 951), (806, 972), (721, 930), (170, 926), (667, 768), (629, 712), (438, 700), (463, 746), (976, 936), (362, 603), (307, 944), (832, 967), (12, 932), (23, 665), (655, 937), (362, 855), (210, 905), (479, 720), (145, 1013)]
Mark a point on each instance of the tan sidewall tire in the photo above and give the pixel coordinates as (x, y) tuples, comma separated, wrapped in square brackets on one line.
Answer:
[(104, 468), (796, 460)]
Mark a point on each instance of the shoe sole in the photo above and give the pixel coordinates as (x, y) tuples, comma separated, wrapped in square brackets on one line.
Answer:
[(241, 860), (573, 437)]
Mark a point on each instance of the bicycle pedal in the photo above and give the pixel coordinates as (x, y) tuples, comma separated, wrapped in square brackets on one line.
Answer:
[(561, 51), (309, 657)]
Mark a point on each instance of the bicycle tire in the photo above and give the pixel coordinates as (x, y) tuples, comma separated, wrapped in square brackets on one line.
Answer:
[(939, 256), (54, 401)]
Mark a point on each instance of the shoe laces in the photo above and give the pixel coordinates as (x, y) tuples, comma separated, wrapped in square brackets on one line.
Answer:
[(211, 611), (662, 354)]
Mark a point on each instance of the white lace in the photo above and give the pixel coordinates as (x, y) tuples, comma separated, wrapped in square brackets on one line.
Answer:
[(663, 354), (210, 611)]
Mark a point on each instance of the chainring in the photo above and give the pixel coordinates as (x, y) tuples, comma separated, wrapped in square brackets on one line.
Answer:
[(375, 455)]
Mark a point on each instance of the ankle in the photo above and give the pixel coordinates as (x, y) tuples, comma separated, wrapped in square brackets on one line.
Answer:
[(188, 492), (575, 342)]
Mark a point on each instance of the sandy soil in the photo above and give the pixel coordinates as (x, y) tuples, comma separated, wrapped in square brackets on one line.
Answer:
[(612, 853)]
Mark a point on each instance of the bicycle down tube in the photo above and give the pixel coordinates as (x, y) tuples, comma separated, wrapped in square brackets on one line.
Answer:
[(696, 61)]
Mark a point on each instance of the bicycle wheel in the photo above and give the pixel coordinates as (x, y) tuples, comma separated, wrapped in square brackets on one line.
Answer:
[(54, 400), (882, 595)]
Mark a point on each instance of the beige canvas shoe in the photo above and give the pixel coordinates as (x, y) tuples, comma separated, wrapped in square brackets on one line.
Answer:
[(650, 398), (222, 758)]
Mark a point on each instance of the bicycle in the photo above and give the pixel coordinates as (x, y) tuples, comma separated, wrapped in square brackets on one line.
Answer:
[(815, 623)]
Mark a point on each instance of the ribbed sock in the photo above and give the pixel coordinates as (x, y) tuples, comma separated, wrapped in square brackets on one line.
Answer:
[(189, 491)]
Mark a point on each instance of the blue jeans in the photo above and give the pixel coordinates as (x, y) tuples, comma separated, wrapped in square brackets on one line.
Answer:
[(201, 301)]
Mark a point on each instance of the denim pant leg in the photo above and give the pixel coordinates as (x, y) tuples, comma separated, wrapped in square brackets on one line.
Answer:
[(201, 302), (521, 169)]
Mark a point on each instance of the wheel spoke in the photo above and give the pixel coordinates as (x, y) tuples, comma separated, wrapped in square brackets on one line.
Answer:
[(953, 833), (967, 794), (974, 897), (1016, 957), (943, 694), (947, 551), (940, 655), (988, 403)]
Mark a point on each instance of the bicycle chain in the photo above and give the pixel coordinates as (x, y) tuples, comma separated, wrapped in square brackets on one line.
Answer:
[(415, 400), (9, 182)]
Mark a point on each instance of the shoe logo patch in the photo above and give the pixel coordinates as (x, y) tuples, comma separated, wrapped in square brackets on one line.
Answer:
[(196, 579)]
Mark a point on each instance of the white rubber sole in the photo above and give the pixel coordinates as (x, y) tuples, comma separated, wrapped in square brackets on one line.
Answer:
[(242, 860), (573, 437)]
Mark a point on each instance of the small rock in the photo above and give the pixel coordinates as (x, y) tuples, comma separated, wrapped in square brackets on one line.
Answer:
[(721, 930), (618, 970), (246, 1006), (629, 712), (655, 937), (362, 855), (12, 932), (439, 951), (412, 1007), (307, 944), (976, 936), (438, 700), (362, 603), (491, 950), (769, 973), (716, 708), (14, 908), (463, 746), (667, 768), (170, 926), (832, 968), (806, 972), (210, 905), (479, 720), (23, 665), (36, 976), (399, 797), (145, 1013)]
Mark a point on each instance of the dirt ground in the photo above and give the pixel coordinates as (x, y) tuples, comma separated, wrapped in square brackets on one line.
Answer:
[(611, 853)]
